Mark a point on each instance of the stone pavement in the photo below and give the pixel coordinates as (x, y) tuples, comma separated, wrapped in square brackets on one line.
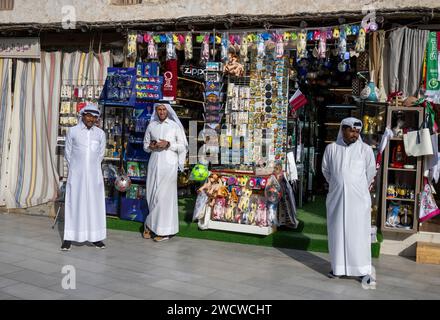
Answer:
[(134, 268)]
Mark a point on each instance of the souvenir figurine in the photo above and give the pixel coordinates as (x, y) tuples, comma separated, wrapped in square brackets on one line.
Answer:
[(393, 215), (188, 47), (398, 158), (279, 48), (391, 191), (366, 121), (406, 217), (230, 211)]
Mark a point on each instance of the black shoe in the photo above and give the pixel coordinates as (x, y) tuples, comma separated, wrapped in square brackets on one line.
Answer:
[(66, 245), (99, 245), (331, 275)]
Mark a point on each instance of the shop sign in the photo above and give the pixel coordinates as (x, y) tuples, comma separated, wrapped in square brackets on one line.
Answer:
[(192, 71), (28, 48)]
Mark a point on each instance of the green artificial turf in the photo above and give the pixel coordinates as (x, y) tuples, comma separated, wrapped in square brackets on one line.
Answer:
[(311, 234)]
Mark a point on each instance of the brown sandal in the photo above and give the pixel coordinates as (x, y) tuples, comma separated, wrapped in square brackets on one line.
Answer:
[(147, 234)]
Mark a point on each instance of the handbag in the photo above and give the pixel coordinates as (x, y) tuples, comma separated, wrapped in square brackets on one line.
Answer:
[(419, 143)]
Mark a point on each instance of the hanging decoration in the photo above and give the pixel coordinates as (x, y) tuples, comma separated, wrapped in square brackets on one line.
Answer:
[(188, 47), (171, 48), (261, 47), (224, 48), (152, 47), (132, 46), (279, 48), (322, 48), (244, 49), (301, 45), (360, 43), (205, 49)]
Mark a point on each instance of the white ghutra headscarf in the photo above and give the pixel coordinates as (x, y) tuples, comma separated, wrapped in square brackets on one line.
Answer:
[(173, 116), (351, 122)]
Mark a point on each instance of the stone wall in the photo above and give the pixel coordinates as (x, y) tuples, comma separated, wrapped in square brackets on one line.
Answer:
[(53, 11)]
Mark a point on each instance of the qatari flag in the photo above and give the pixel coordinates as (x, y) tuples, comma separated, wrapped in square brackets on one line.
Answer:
[(170, 80), (298, 100)]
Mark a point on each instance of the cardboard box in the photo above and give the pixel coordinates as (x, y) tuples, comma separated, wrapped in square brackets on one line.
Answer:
[(428, 252)]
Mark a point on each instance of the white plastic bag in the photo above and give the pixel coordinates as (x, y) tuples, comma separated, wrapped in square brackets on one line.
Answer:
[(199, 208)]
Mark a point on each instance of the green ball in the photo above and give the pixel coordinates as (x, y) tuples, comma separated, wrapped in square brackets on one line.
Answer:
[(199, 173)]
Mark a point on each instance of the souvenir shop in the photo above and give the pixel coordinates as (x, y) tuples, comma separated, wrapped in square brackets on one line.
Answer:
[(259, 107)]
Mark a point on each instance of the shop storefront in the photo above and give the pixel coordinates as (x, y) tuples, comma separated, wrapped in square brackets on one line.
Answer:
[(259, 107)]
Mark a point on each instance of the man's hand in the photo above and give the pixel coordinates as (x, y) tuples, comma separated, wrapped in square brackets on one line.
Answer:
[(153, 145), (162, 144)]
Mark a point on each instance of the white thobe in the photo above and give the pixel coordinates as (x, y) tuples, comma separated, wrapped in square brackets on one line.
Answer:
[(349, 170), (163, 217), (85, 218)]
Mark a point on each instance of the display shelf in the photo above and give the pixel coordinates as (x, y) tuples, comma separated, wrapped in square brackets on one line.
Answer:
[(400, 199), (413, 118), (402, 169), (111, 159), (237, 227)]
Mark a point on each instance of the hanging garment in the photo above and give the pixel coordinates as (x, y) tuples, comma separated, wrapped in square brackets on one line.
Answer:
[(5, 117), (377, 43), (32, 175), (85, 195), (81, 68), (163, 218), (406, 53), (349, 170)]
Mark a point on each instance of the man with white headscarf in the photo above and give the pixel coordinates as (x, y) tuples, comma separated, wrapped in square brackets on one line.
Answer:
[(349, 168), (85, 197), (165, 139)]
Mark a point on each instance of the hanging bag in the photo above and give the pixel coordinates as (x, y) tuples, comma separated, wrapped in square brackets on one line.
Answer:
[(418, 143), (428, 206)]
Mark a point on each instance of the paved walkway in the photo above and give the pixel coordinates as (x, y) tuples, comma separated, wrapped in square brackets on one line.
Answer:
[(182, 268)]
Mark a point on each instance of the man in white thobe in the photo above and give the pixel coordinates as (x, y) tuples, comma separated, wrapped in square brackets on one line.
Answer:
[(165, 139), (85, 197), (349, 168)]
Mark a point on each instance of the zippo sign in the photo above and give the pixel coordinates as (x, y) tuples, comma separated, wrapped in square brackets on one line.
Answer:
[(192, 72)]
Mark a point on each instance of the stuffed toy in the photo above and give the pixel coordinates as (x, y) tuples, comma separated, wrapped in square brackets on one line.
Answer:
[(261, 218), (233, 67), (301, 45), (211, 187), (244, 199), (188, 47), (244, 48), (219, 209), (252, 213), (230, 211), (360, 43), (132, 46)]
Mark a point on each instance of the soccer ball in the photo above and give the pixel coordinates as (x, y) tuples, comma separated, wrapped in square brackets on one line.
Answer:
[(122, 183), (199, 173)]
